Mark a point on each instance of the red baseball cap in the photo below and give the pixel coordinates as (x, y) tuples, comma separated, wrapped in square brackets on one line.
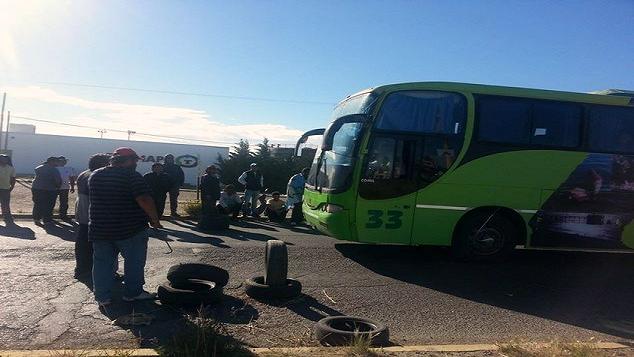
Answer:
[(125, 152)]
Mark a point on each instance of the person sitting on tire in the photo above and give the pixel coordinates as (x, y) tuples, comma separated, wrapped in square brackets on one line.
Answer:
[(275, 208), (230, 202)]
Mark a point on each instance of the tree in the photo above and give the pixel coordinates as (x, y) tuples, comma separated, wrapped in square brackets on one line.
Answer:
[(264, 150)]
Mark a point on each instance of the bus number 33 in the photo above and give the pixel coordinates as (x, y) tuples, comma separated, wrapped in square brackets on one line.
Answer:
[(376, 219)]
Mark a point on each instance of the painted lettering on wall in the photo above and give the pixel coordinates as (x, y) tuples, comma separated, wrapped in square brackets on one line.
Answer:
[(186, 160)]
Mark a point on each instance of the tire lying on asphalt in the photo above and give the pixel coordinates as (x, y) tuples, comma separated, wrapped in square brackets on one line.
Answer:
[(257, 289), (275, 263), (193, 292), (180, 273), (344, 330)]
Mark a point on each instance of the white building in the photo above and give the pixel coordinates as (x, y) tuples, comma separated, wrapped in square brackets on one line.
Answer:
[(29, 150)]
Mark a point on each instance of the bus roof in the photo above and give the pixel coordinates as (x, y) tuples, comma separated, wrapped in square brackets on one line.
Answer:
[(604, 97)]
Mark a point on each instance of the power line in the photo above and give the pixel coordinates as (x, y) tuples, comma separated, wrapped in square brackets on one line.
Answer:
[(100, 129), (261, 99)]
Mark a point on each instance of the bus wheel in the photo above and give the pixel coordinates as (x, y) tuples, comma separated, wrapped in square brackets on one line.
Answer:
[(484, 236)]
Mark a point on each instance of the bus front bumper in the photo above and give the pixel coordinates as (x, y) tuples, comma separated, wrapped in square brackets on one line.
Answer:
[(336, 225)]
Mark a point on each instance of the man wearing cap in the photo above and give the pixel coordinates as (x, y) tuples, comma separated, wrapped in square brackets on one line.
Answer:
[(7, 182), (120, 206), (44, 189), (253, 183), (69, 176), (177, 177)]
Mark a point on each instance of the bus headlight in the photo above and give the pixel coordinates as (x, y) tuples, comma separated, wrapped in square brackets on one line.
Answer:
[(331, 208)]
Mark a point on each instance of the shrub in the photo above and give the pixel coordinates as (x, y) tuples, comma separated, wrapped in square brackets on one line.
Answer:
[(193, 208)]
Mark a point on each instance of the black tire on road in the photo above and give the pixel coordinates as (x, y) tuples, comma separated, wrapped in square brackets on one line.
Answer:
[(180, 273), (194, 292), (275, 263), (485, 237), (344, 330), (255, 288)]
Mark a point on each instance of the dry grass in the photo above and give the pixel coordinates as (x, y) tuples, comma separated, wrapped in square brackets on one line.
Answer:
[(552, 349)]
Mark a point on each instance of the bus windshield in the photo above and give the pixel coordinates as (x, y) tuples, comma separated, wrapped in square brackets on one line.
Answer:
[(337, 164)]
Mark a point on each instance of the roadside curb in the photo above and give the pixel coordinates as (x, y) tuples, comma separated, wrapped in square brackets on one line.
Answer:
[(148, 352), (422, 348)]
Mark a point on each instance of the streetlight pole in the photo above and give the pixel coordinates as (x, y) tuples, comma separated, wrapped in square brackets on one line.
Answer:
[(101, 132), (130, 132), (4, 100)]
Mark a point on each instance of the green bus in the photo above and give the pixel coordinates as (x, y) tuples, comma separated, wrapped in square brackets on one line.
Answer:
[(478, 168)]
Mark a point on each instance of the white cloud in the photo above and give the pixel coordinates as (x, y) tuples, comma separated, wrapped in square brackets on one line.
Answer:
[(8, 52), (158, 120)]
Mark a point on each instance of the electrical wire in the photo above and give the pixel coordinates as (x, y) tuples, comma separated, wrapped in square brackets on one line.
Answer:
[(122, 131), (222, 96)]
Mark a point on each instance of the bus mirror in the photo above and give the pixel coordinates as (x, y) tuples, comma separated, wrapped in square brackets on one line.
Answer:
[(334, 127), (304, 138)]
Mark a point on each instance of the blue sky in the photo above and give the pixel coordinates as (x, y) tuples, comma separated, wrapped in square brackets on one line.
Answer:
[(317, 51)]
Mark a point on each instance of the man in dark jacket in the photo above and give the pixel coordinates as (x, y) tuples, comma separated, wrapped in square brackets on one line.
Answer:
[(253, 183), (177, 177), (45, 187), (160, 185), (210, 189)]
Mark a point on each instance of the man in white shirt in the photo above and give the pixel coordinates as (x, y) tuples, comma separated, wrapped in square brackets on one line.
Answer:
[(69, 176), (7, 182)]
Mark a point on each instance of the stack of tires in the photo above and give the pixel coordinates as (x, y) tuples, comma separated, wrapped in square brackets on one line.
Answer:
[(192, 284), (274, 284)]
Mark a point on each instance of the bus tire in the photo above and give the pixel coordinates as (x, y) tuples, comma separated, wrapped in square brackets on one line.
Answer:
[(275, 263), (487, 236)]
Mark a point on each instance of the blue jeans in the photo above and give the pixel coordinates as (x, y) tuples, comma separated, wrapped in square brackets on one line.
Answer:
[(105, 252), (251, 197)]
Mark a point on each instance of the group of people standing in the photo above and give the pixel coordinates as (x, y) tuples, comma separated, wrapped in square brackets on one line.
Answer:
[(255, 202), (115, 204)]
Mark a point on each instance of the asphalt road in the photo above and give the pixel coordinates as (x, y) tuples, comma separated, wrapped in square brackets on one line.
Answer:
[(420, 293)]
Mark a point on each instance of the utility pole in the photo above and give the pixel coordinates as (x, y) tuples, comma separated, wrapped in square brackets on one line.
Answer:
[(130, 132), (6, 133), (101, 132), (4, 100)]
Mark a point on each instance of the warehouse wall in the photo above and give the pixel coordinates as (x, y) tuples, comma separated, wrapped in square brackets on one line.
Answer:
[(29, 150)]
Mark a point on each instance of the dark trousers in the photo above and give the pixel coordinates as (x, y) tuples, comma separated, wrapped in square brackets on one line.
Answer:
[(63, 203), (297, 215), (159, 201), (5, 204), (174, 191), (43, 204), (234, 212), (275, 216), (83, 251), (209, 205)]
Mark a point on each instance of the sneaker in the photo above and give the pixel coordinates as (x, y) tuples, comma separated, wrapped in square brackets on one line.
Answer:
[(104, 303), (142, 296)]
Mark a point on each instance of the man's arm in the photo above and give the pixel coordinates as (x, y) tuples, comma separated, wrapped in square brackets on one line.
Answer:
[(243, 179), (12, 182), (147, 204), (73, 180), (181, 176)]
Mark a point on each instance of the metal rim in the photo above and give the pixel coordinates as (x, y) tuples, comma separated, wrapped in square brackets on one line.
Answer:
[(487, 241)]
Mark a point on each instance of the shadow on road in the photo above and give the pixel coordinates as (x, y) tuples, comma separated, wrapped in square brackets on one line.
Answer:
[(167, 321), (190, 237), (63, 230), (309, 308), (589, 290), (15, 231)]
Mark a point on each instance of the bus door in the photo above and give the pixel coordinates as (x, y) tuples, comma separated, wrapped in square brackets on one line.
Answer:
[(387, 189)]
